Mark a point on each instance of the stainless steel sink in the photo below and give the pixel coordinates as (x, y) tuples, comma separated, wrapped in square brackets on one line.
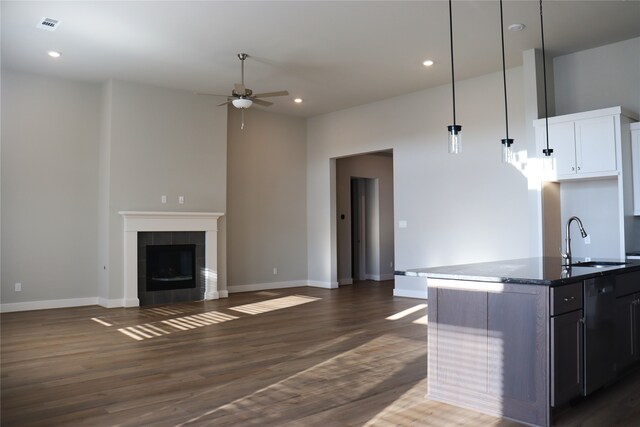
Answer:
[(598, 264)]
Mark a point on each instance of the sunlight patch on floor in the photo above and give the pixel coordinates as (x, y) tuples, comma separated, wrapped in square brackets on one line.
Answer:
[(274, 304), (408, 311), (421, 321), (102, 322)]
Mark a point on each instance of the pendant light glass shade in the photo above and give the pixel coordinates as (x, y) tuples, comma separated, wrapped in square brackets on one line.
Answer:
[(455, 139), (507, 152)]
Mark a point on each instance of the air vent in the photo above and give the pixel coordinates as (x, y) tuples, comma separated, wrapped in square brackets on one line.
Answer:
[(48, 24)]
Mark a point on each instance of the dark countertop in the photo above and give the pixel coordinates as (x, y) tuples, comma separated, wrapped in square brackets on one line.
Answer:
[(541, 271)]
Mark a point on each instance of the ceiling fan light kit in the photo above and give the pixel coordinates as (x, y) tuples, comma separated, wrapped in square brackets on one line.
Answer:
[(242, 103)]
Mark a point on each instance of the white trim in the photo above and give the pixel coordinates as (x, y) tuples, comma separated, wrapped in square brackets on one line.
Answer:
[(44, 305), (111, 303), (345, 281), (325, 285), (265, 286), (410, 294), (224, 294)]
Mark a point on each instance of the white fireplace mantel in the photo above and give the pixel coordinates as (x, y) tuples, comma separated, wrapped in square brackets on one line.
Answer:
[(135, 222)]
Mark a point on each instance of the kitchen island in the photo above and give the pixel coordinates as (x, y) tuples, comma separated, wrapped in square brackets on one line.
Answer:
[(522, 338)]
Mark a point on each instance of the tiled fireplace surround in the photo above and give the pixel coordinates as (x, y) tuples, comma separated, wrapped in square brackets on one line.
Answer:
[(135, 222)]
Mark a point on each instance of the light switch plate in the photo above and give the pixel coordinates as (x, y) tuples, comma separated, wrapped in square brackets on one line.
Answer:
[(402, 224)]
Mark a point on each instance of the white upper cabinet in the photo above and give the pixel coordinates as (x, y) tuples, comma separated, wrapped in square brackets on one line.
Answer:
[(585, 145)]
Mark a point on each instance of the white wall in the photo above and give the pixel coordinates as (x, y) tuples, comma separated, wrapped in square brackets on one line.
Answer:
[(587, 199), (162, 142), (267, 212), (602, 77), (49, 189), (380, 254), (465, 208)]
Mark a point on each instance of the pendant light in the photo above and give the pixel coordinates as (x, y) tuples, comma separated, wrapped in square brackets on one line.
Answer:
[(547, 160), (454, 139), (507, 153)]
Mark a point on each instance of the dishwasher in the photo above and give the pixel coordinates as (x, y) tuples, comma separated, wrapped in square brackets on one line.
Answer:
[(599, 333)]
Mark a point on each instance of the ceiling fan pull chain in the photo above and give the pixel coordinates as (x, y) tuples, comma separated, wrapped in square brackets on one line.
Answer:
[(242, 118)]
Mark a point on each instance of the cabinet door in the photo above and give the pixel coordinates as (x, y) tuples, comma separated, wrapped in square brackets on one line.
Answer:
[(566, 357), (595, 145), (626, 331), (562, 140)]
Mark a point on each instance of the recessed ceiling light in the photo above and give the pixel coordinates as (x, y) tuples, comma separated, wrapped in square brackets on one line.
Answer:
[(428, 63), (517, 27), (54, 54), (298, 100)]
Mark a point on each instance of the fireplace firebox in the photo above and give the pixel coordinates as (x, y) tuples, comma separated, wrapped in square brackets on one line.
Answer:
[(171, 267)]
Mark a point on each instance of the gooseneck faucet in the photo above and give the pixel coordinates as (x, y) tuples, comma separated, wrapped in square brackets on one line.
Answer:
[(567, 255)]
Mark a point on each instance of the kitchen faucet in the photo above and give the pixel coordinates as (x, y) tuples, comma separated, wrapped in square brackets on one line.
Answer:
[(567, 255)]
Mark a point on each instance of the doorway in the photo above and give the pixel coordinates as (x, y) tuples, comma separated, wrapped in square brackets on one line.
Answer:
[(364, 212)]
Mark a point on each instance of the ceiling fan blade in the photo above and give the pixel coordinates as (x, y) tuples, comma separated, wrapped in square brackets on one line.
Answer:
[(262, 102), (268, 94), (239, 88), (210, 94), (224, 103)]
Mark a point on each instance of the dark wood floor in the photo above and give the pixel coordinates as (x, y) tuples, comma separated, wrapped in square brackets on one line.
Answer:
[(295, 357)]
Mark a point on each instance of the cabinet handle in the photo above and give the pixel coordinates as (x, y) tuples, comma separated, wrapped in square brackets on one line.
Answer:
[(578, 167), (568, 299), (573, 168)]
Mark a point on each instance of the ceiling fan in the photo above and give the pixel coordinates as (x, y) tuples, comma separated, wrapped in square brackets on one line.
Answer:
[(242, 97)]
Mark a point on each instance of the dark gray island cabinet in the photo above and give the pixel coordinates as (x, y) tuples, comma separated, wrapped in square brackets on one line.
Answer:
[(521, 338)]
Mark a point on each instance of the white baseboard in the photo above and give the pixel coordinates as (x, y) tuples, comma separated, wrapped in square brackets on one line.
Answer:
[(379, 277), (111, 303), (325, 285), (44, 305), (266, 286), (410, 294), (345, 281), (224, 293)]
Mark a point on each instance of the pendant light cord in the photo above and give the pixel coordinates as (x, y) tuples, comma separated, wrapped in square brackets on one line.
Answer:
[(453, 81), (544, 76), (504, 76)]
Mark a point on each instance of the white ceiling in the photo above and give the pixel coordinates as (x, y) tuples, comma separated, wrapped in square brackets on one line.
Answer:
[(334, 55)]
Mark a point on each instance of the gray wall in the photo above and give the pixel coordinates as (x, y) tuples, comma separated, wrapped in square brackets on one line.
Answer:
[(73, 155), (458, 209), (602, 77), (266, 200), (50, 132), (380, 251), (160, 142)]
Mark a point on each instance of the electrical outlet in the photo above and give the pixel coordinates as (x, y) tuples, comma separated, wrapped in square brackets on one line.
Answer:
[(181, 200), (587, 240), (164, 199), (275, 270), (18, 287)]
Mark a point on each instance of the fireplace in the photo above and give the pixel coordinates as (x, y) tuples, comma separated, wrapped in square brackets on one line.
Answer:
[(146, 229), (171, 267)]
